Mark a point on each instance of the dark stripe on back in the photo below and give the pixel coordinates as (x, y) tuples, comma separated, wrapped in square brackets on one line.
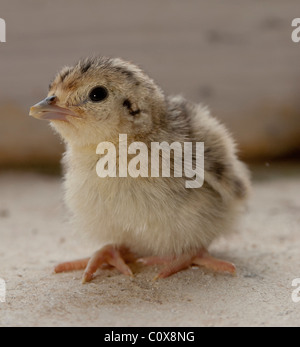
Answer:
[(64, 75), (124, 71), (85, 66), (128, 105)]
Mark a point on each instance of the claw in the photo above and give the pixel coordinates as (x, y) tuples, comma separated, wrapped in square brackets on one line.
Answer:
[(108, 255), (174, 265)]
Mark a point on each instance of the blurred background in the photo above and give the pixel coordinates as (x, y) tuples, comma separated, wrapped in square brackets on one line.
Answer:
[(237, 57)]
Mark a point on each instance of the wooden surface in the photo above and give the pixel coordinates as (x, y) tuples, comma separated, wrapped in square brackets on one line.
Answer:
[(235, 56)]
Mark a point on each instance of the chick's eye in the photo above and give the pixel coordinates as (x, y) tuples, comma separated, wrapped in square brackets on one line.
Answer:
[(98, 94)]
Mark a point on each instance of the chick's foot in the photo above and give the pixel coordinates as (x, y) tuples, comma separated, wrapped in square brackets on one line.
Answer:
[(176, 264), (109, 255)]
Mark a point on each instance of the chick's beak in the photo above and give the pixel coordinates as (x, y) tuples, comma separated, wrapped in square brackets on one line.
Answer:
[(48, 110)]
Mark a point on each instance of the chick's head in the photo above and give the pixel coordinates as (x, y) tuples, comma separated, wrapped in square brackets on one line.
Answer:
[(99, 98)]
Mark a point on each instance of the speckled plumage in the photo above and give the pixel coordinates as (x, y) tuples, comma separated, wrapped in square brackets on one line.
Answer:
[(150, 216)]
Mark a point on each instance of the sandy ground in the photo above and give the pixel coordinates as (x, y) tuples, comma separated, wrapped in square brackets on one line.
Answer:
[(35, 235)]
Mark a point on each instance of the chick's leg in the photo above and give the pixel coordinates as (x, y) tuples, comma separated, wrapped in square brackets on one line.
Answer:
[(108, 255), (176, 264)]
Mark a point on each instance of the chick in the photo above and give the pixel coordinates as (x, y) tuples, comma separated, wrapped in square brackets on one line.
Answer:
[(154, 220)]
